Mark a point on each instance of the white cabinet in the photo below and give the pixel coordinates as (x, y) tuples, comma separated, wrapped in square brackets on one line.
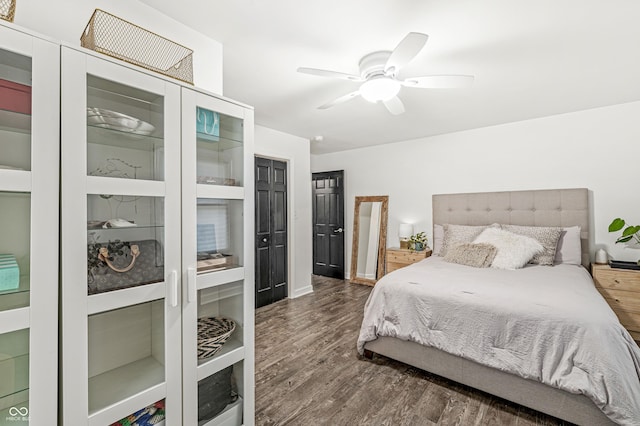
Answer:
[(217, 252), (145, 188), (29, 167)]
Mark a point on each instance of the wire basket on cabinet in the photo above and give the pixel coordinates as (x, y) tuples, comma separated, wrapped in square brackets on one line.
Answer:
[(213, 332), (7, 10), (113, 36)]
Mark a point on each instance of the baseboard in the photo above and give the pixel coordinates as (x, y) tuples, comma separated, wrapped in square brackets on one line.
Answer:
[(302, 291)]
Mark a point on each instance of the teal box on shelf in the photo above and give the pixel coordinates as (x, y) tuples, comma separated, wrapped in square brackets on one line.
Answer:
[(9, 272), (207, 124)]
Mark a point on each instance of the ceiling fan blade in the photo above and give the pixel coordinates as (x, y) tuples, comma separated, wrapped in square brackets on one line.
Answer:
[(329, 74), (405, 51), (394, 105), (340, 100), (439, 81)]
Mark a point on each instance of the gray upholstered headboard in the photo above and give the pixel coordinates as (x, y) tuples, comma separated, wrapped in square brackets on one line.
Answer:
[(553, 207)]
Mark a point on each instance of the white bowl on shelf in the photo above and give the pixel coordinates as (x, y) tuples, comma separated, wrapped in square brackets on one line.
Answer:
[(108, 119)]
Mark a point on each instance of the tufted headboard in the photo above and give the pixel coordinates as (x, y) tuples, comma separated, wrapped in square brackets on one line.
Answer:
[(548, 207)]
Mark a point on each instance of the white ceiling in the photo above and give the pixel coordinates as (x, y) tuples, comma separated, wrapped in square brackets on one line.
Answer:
[(530, 59)]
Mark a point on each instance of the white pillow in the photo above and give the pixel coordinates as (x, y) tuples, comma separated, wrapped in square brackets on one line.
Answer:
[(514, 251), (569, 248)]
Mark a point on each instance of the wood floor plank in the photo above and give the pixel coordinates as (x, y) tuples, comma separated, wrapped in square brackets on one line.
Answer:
[(309, 373)]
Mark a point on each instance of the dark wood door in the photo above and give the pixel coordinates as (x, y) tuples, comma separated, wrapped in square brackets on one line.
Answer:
[(271, 231), (328, 224)]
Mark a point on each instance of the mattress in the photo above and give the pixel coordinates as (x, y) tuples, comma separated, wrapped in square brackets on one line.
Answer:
[(547, 324)]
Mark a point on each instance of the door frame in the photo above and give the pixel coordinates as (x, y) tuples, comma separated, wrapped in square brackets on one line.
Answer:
[(290, 229)]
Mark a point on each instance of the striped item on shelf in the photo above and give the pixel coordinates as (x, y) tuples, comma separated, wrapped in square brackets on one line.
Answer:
[(9, 272)]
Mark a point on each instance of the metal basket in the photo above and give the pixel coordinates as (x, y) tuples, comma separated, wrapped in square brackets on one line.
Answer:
[(213, 332), (7, 10), (113, 36)]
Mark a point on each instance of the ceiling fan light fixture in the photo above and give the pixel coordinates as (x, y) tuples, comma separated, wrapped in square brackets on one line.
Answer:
[(379, 89)]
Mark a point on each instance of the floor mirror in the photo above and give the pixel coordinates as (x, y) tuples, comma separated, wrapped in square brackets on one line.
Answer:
[(369, 239)]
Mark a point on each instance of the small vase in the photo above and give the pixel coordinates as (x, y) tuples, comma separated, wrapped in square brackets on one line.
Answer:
[(418, 246)]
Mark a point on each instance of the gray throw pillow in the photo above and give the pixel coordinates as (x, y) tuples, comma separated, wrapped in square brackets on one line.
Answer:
[(477, 255), (458, 234)]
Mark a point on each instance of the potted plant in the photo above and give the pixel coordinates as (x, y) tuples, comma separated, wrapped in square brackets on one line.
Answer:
[(418, 242), (631, 232)]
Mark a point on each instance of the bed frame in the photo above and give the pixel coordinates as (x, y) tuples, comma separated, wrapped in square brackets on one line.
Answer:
[(562, 207)]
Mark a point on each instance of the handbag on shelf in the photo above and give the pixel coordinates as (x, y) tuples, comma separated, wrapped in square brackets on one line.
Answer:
[(122, 264)]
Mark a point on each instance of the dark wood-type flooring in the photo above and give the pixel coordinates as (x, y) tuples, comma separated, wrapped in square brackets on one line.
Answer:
[(309, 373)]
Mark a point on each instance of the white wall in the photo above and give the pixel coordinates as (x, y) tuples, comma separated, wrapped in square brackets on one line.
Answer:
[(598, 149), (296, 151), (66, 20)]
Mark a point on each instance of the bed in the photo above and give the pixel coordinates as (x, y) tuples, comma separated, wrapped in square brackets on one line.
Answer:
[(594, 370)]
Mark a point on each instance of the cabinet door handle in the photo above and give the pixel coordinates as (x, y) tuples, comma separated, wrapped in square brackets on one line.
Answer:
[(173, 289), (191, 285)]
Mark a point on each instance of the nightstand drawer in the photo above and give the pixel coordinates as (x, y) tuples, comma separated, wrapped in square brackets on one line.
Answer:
[(621, 289), (617, 279), (399, 258), (619, 299), (405, 257)]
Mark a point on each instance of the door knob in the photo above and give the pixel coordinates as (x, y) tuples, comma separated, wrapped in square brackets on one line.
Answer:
[(264, 240), (337, 230)]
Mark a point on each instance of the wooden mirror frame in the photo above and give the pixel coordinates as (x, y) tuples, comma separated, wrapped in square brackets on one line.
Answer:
[(382, 238)]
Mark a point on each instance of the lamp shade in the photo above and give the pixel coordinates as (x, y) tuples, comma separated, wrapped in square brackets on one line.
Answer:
[(405, 230)]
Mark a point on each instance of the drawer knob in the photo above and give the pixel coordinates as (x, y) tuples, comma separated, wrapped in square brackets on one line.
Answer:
[(617, 281)]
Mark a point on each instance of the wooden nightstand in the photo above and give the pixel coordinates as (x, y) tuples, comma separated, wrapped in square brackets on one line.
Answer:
[(621, 290), (398, 258)]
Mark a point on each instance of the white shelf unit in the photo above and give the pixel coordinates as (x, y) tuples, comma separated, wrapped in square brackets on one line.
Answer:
[(217, 216), (128, 348), (29, 168), (121, 347)]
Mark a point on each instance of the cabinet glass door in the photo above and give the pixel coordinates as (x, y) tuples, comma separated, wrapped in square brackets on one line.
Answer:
[(29, 175), (15, 155), (121, 222), (217, 325)]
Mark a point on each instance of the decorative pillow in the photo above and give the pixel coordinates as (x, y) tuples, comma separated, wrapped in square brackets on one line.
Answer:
[(514, 250), (438, 235), (458, 234), (546, 235), (569, 248), (476, 255)]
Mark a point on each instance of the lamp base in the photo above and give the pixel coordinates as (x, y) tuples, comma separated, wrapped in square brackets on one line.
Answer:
[(404, 244)]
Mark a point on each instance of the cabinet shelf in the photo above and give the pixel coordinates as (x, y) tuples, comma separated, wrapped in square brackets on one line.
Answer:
[(108, 301), (15, 180), (123, 139), (220, 191), (15, 122), (16, 298), (140, 379), (230, 416), (232, 352), (216, 278), (222, 144)]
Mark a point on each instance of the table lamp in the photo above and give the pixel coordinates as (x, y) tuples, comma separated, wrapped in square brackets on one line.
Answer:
[(404, 232)]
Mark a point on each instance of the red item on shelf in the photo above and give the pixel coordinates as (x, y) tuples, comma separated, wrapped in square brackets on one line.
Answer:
[(15, 97)]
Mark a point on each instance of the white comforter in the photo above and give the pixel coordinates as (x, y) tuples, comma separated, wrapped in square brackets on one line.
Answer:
[(543, 323)]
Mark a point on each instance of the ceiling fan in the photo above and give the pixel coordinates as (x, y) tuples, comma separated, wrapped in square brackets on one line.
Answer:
[(379, 75)]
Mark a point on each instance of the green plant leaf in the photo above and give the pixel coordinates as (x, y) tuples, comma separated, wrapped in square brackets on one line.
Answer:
[(630, 230), (616, 225), (624, 239)]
